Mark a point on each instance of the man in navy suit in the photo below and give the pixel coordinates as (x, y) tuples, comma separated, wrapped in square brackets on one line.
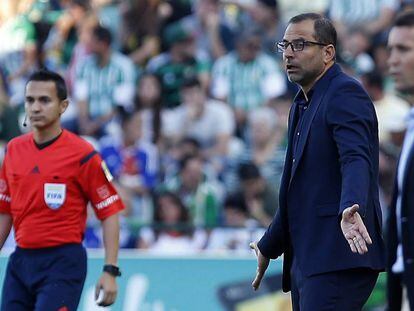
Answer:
[(400, 224), (328, 225)]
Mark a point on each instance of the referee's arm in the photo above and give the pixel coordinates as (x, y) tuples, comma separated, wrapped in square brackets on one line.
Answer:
[(5, 227)]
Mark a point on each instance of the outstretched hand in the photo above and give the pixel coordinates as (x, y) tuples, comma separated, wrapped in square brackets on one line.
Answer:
[(354, 230), (262, 264)]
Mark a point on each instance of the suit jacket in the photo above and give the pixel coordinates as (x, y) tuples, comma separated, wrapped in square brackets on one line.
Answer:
[(335, 166), (407, 227)]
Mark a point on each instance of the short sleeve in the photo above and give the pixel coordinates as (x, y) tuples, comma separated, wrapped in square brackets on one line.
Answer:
[(95, 180), (5, 198)]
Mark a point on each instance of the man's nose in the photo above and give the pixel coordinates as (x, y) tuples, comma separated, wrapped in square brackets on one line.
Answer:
[(393, 59), (288, 52), (35, 106)]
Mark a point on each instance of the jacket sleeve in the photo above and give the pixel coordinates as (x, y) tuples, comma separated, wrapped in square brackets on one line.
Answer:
[(273, 242), (352, 119)]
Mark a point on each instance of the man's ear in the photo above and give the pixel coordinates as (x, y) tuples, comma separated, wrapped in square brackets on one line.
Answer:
[(63, 105), (329, 54)]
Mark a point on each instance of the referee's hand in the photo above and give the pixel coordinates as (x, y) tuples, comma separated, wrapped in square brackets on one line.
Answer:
[(262, 264), (106, 284)]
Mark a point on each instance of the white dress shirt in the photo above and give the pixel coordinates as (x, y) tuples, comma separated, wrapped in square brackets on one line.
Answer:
[(398, 266)]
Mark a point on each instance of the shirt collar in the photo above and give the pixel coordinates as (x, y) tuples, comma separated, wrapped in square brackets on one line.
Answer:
[(304, 99)]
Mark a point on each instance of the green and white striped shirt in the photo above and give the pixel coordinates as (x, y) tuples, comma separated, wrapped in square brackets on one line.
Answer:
[(247, 85), (107, 87)]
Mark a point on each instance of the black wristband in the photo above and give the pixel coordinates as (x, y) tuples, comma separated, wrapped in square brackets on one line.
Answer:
[(112, 270)]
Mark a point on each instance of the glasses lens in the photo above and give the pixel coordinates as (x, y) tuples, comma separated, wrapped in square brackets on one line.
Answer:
[(298, 45)]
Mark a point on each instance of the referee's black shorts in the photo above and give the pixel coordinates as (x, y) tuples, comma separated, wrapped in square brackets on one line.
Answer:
[(44, 279)]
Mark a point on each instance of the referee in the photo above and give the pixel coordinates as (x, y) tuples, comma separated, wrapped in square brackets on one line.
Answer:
[(48, 177)]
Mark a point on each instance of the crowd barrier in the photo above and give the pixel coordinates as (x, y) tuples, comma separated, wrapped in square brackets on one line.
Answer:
[(199, 282)]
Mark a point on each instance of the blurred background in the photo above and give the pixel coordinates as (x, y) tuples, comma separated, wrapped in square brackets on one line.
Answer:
[(187, 102)]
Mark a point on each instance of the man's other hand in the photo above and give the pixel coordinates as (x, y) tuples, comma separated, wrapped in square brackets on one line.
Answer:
[(262, 264)]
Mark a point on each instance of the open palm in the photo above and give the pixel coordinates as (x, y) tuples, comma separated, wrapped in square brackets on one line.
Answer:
[(354, 230)]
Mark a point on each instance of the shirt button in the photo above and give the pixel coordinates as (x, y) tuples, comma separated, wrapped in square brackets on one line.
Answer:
[(293, 160), (297, 134)]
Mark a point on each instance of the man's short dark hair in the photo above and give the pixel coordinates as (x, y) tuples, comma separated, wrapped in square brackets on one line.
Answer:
[(45, 75), (325, 31), (236, 202), (103, 34), (375, 78), (190, 82), (248, 171), (405, 19)]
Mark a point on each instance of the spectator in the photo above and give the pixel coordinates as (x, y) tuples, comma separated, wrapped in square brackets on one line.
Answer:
[(18, 58), (289, 8), (373, 17), (179, 63), (140, 30), (201, 195), (63, 36), (210, 122), (134, 164), (239, 228), (354, 54), (104, 83), (265, 15), (265, 148), (391, 110), (246, 78), (260, 197), (212, 35), (9, 127), (148, 101), (173, 232)]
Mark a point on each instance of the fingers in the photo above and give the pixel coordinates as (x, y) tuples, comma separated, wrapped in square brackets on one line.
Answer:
[(262, 264), (352, 245), (257, 280), (97, 290), (366, 236), (253, 246), (357, 244), (108, 299), (350, 211)]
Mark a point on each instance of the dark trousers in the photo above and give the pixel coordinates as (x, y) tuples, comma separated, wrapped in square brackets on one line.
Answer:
[(44, 279), (395, 283), (345, 290)]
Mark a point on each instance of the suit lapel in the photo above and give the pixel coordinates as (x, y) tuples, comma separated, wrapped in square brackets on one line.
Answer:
[(319, 93), (408, 166), (287, 169)]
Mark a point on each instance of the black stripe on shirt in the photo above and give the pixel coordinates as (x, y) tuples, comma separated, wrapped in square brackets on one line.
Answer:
[(87, 157)]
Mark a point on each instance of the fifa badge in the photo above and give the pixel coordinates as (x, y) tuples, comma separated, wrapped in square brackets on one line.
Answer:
[(54, 195)]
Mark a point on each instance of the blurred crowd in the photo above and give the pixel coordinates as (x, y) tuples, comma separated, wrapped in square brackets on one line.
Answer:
[(187, 102)]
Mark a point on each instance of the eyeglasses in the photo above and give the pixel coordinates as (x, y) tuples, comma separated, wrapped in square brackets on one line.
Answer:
[(296, 45)]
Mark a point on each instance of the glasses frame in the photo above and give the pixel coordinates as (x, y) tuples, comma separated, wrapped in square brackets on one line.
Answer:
[(282, 46)]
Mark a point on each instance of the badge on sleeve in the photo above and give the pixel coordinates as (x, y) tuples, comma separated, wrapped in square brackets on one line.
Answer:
[(106, 171), (54, 195)]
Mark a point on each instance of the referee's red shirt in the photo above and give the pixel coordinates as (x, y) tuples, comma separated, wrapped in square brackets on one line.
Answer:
[(47, 190)]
